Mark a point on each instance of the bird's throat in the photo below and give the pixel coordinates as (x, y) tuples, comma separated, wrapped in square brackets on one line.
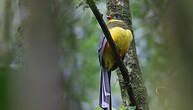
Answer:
[(112, 20)]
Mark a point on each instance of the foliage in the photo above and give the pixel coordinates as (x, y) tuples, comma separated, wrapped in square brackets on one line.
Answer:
[(128, 108), (98, 108)]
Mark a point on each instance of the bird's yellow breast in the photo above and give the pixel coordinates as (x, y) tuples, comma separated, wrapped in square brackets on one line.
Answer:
[(122, 38)]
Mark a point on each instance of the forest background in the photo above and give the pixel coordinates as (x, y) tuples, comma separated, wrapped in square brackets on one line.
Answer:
[(64, 37)]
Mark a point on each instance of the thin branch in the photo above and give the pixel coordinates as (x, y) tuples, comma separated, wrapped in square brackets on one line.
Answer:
[(107, 34)]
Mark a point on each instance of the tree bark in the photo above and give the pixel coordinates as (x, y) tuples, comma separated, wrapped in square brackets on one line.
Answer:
[(5, 57), (177, 34), (138, 90), (7, 19), (6, 27), (39, 84)]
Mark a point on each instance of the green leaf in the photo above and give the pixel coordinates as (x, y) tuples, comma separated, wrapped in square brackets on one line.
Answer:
[(128, 108), (114, 108), (98, 108), (132, 107), (122, 108)]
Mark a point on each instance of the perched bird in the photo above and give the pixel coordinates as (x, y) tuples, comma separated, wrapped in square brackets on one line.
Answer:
[(122, 37)]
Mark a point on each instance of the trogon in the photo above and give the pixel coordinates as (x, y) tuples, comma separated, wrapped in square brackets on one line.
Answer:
[(122, 37)]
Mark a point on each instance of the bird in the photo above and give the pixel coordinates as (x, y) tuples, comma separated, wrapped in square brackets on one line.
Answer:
[(122, 37)]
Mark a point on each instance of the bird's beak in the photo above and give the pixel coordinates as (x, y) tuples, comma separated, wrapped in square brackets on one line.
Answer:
[(109, 17)]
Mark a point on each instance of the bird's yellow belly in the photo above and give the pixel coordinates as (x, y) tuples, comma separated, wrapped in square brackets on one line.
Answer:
[(122, 39)]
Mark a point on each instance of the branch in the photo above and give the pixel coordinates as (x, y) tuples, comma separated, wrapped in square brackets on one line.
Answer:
[(107, 34)]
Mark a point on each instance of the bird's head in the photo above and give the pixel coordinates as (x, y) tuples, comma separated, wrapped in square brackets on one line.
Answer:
[(114, 16)]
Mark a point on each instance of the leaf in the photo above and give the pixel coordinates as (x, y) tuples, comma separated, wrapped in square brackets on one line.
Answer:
[(132, 107), (98, 108), (114, 108), (122, 108), (128, 108)]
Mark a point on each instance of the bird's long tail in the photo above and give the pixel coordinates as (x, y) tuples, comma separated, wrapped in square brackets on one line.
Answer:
[(105, 90)]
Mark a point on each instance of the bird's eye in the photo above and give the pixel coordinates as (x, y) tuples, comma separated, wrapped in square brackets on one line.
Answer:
[(116, 17)]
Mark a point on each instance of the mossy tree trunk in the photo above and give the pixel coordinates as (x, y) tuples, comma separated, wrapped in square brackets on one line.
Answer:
[(42, 84), (5, 56), (39, 84), (137, 94)]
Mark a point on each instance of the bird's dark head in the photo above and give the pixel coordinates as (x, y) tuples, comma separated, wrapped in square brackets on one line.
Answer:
[(114, 16)]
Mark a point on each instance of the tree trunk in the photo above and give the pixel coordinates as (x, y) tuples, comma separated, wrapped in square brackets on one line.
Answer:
[(5, 57), (177, 33), (42, 85), (137, 93), (6, 27), (40, 81)]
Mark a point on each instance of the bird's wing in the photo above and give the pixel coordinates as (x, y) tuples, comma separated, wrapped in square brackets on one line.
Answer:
[(101, 47), (105, 89)]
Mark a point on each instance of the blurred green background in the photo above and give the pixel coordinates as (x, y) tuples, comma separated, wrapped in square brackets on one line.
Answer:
[(163, 35)]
